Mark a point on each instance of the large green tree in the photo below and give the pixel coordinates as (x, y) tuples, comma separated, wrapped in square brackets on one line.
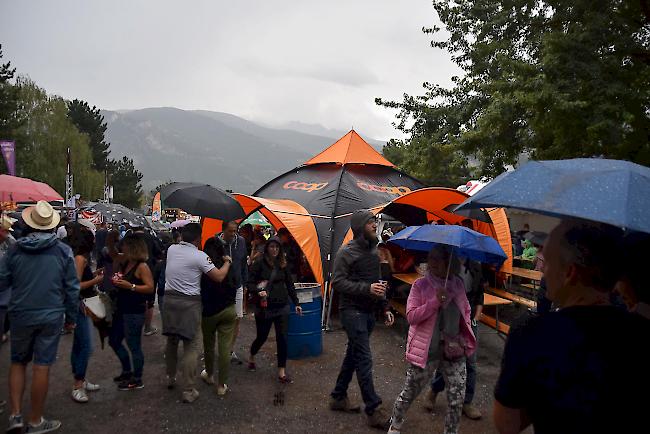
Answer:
[(90, 121), (126, 181), (42, 141), (550, 79)]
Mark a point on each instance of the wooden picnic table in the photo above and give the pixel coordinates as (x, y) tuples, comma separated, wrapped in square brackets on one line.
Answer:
[(493, 300), (409, 278), (512, 297), (526, 274)]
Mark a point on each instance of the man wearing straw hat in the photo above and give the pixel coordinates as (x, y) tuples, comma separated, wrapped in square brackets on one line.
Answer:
[(39, 270)]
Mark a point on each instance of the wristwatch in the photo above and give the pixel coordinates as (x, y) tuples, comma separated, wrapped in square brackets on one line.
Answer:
[(133, 287)]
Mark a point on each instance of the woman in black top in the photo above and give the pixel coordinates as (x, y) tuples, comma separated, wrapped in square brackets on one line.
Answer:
[(82, 242), (270, 278), (218, 317), (134, 283)]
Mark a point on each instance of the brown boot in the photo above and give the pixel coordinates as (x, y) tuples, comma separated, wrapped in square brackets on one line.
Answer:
[(471, 412), (343, 405), (430, 400), (379, 419)]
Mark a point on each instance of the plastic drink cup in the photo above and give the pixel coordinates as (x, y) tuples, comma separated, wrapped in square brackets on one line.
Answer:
[(385, 283)]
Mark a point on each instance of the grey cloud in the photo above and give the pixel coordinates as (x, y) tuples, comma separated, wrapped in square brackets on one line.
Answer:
[(352, 74), (312, 62)]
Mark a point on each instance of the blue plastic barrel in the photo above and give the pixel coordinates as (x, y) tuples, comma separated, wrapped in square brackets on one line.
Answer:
[(305, 337)]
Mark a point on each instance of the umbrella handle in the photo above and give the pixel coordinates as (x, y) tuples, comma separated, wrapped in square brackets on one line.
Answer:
[(451, 256)]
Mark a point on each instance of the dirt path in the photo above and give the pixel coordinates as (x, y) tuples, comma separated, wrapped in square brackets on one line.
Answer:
[(256, 403)]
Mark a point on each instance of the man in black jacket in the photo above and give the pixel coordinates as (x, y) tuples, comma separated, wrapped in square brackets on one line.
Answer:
[(356, 279)]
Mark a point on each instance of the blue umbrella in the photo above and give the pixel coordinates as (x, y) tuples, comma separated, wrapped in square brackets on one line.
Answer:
[(465, 242), (607, 191)]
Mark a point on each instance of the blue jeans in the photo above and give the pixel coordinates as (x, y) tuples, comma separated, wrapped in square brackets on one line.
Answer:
[(82, 347), (358, 326), (3, 314), (438, 382), (128, 326)]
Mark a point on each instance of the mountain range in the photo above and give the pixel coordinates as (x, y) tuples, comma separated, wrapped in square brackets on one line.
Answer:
[(216, 148)]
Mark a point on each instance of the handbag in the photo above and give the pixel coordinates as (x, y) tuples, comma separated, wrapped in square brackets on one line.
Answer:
[(95, 307), (453, 348)]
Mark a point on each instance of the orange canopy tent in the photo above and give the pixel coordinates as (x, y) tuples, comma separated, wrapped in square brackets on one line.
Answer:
[(280, 213), (431, 203), (346, 176)]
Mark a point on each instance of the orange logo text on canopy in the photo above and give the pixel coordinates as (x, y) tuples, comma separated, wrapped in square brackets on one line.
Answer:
[(397, 191), (305, 186)]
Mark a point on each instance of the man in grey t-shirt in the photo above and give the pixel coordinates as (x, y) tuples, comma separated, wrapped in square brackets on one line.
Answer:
[(182, 313)]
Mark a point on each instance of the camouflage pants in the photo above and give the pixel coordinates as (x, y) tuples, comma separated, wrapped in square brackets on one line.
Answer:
[(454, 373)]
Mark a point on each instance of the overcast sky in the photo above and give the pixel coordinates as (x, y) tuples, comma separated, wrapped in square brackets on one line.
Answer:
[(316, 62)]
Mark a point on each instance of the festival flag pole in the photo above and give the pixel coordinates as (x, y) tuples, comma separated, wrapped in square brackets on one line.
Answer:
[(69, 181), (107, 197)]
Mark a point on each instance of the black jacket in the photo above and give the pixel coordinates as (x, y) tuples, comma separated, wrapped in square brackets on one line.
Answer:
[(280, 290), (216, 296), (356, 267)]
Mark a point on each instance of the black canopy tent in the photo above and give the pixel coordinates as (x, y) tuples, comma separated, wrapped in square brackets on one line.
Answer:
[(347, 176)]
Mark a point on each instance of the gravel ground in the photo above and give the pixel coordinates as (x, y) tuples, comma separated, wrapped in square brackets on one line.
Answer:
[(252, 405)]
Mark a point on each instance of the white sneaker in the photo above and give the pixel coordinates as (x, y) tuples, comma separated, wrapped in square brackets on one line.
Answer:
[(16, 423), (80, 395), (90, 387), (222, 390), (43, 427), (209, 379)]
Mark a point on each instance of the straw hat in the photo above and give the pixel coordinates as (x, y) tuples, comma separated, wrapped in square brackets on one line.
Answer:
[(6, 222), (41, 217)]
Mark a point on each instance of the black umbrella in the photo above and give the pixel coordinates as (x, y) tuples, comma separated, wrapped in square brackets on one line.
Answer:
[(116, 213), (201, 199), (473, 213)]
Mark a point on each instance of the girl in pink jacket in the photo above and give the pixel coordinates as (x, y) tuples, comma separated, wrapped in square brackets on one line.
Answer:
[(440, 337)]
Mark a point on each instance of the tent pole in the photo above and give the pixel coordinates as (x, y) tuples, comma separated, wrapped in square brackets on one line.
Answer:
[(329, 309), (325, 302)]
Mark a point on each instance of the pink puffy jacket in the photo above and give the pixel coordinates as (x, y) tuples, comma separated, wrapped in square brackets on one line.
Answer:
[(422, 310)]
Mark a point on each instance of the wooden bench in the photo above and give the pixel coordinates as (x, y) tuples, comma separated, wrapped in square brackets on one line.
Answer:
[(512, 297), (492, 322)]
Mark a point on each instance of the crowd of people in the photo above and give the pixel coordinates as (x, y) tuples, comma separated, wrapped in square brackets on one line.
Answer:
[(577, 366), (55, 272)]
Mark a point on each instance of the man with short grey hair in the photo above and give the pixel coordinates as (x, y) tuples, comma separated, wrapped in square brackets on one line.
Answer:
[(235, 246), (583, 368)]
